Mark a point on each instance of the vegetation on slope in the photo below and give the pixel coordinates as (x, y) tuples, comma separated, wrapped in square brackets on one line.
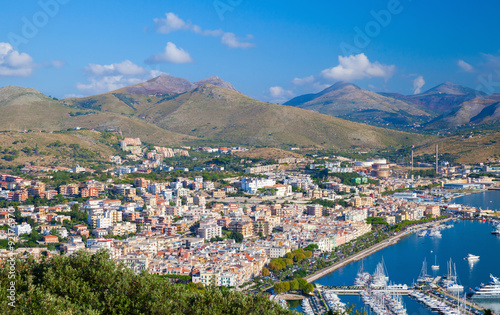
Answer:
[(94, 284)]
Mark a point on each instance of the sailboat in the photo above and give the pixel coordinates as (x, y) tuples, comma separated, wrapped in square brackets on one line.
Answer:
[(450, 283), (424, 277), (435, 266)]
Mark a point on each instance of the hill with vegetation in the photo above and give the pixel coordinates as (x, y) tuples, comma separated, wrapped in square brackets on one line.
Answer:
[(214, 113), (94, 284), (469, 147), (206, 114), (348, 101), (84, 147), (484, 110), (24, 109)]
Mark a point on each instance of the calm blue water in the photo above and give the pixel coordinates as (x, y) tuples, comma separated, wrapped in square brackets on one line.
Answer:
[(485, 200), (404, 259)]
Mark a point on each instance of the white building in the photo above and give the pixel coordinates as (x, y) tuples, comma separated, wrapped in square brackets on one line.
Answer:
[(228, 280), (251, 185), (103, 223), (209, 230), (277, 252), (24, 228)]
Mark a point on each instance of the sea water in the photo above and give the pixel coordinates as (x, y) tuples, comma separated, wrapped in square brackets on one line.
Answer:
[(404, 259)]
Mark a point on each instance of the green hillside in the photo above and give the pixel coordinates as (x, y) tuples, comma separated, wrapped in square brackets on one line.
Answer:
[(206, 114), (28, 109), (215, 113), (95, 284)]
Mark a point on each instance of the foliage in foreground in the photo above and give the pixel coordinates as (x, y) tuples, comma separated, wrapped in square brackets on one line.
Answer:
[(94, 284)]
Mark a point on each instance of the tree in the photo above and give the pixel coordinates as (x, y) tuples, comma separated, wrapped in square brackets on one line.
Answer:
[(279, 287), (75, 207), (308, 288), (237, 237), (302, 283), (299, 257), (274, 266), (286, 286), (294, 285), (54, 286), (265, 272), (311, 247)]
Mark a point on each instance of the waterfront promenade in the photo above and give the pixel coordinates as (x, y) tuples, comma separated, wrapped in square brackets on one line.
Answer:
[(367, 252)]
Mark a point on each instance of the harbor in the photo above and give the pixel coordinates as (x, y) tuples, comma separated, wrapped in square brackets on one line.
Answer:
[(467, 273), (403, 255)]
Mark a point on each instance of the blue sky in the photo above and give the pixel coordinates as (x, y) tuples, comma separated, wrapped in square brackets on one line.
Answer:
[(271, 50)]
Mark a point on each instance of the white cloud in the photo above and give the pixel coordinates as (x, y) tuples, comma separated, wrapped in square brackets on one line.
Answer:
[(172, 54), (172, 23), (418, 83), (71, 95), (465, 66), (107, 83), (155, 73), (279, 94), (230, 40), (105, 78), (13, 63), (303, 81), (356, 67), (58, 63), (126, 67)]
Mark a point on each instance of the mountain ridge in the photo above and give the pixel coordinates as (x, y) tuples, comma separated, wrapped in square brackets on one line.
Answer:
[(206, 114)]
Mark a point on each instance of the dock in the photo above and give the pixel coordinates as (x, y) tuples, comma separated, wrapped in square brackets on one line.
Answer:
[(357, 290)]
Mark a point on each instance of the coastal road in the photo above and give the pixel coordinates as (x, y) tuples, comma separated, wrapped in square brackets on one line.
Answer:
[(367, 252)]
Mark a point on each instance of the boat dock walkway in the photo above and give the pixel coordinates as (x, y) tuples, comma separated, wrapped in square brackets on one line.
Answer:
[(435, 281), (357, 290), (466, 301)]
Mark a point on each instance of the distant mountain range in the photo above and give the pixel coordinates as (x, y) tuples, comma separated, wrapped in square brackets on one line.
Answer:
[(169, 110), (166, 84), (447, 105)]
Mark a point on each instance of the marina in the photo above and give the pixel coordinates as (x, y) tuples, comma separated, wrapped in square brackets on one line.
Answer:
[(404, 260), (459, 275)]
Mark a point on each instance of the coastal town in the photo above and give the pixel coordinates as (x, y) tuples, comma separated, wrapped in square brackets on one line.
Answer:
[(211, 226)]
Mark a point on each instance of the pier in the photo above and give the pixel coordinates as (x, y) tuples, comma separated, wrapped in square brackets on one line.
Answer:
[(357, 290)]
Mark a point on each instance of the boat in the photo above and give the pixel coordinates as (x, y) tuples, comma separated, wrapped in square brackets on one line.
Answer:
[(435, 233), (435, 266), (497, 231), (424, 277), (488, 291), (333, 301), (306, 307), (423, 233), (472, 257), (450, 282)]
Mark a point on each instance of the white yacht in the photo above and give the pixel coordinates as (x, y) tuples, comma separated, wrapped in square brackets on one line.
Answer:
[(450, 282), (488, 291), (472, 257), (435, 266)]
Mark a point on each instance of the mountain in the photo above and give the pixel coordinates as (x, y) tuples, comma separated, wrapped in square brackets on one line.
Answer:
[(480, 110), (25, 108), (206, 114), (167, 84), (346, 100), (164, 84), (215, 80), (441, 99), (219, 114)]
